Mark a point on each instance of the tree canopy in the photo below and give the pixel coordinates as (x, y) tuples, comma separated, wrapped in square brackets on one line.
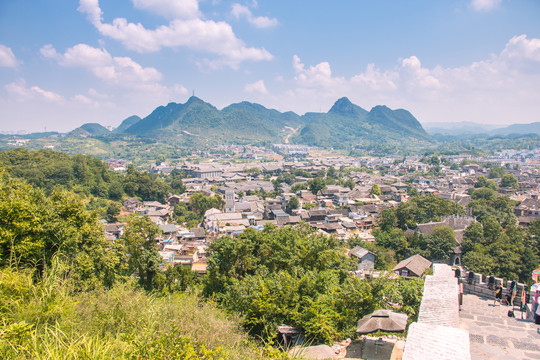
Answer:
[(297, 277), (418, 210)]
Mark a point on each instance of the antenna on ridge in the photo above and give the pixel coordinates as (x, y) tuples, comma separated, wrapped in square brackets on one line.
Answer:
[(193, 92)]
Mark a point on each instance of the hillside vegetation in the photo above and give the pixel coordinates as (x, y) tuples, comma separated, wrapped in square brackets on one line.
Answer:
[(343, 126), (66, 292)]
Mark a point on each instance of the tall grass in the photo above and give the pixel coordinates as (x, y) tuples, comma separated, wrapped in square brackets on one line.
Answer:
[(45, 320)]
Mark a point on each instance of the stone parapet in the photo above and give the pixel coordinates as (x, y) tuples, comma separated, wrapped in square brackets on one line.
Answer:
[(481, 286)]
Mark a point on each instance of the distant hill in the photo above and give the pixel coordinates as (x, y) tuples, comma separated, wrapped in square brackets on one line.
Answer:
[(458, 128), (533, 128), (343, 125), (349, 124), (90, 129), (127, 123), (470, 128), (244, 120)]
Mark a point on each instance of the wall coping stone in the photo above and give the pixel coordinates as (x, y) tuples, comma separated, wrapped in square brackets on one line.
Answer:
[(436, 335)]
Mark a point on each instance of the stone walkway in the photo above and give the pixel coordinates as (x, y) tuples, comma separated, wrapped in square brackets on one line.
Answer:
[(495, 336)]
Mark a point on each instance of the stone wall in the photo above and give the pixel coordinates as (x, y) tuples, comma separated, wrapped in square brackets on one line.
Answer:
[(480, 286), (436, 335)]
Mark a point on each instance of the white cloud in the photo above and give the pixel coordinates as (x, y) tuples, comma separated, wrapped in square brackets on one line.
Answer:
[(522, 49), (417, 77), (202, 35), (241, 11), (256, 87), (85, 100), (503, 88), (484, 5), (117, 70), (173, 9), (21, 92), (7, 58), (314, 76), (92, 10)]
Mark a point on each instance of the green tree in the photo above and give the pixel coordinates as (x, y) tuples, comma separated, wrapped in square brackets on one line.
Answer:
[(298, 186), (287, 275), (483, 182), (200, 203), (177, 185), (434, 160), (496, 172), (35, 228), (393, 239), (473, 234), (293, 204), (160, 159), (349, 183), (332, 172), (479, 262), (375, 190), (316, 185), (440, 243), (423, 209), (492, 229), (483, 193), (113, 210), (387, 219), (509, 181), (412, 191), (179, 278), (252, 171), (140, 243), (144, 185)]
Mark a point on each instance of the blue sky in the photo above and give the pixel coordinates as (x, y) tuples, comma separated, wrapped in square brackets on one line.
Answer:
[(64, 63)]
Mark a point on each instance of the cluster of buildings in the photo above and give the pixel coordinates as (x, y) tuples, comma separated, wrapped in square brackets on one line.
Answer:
[(251, 199)]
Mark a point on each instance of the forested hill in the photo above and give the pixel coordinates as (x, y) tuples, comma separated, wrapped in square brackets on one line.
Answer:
[(344, 125)]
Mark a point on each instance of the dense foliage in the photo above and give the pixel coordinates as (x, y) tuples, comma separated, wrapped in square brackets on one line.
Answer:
[(297, 277), (85, 175), (494, 245), (34, 227), (418, 210), (53, 257), (66, 292), (46, 320)]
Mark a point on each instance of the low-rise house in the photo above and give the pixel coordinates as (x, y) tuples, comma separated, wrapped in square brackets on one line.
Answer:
[(307, 196), (317, 215), (131, 204), (170, 231), (364, 258), (114, 231), (174, 199), (413, 266), (214, 221), (529, 207)]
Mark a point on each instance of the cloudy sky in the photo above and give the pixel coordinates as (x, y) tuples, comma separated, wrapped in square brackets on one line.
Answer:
[(64, 63)]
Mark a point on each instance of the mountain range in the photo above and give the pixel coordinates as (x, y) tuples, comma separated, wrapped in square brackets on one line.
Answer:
[(344, 125), (467, 128)]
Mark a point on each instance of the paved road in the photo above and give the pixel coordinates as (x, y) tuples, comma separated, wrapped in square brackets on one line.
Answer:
[(495, 336)]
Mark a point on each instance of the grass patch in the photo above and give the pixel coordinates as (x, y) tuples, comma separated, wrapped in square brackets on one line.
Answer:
[(43, 320)]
